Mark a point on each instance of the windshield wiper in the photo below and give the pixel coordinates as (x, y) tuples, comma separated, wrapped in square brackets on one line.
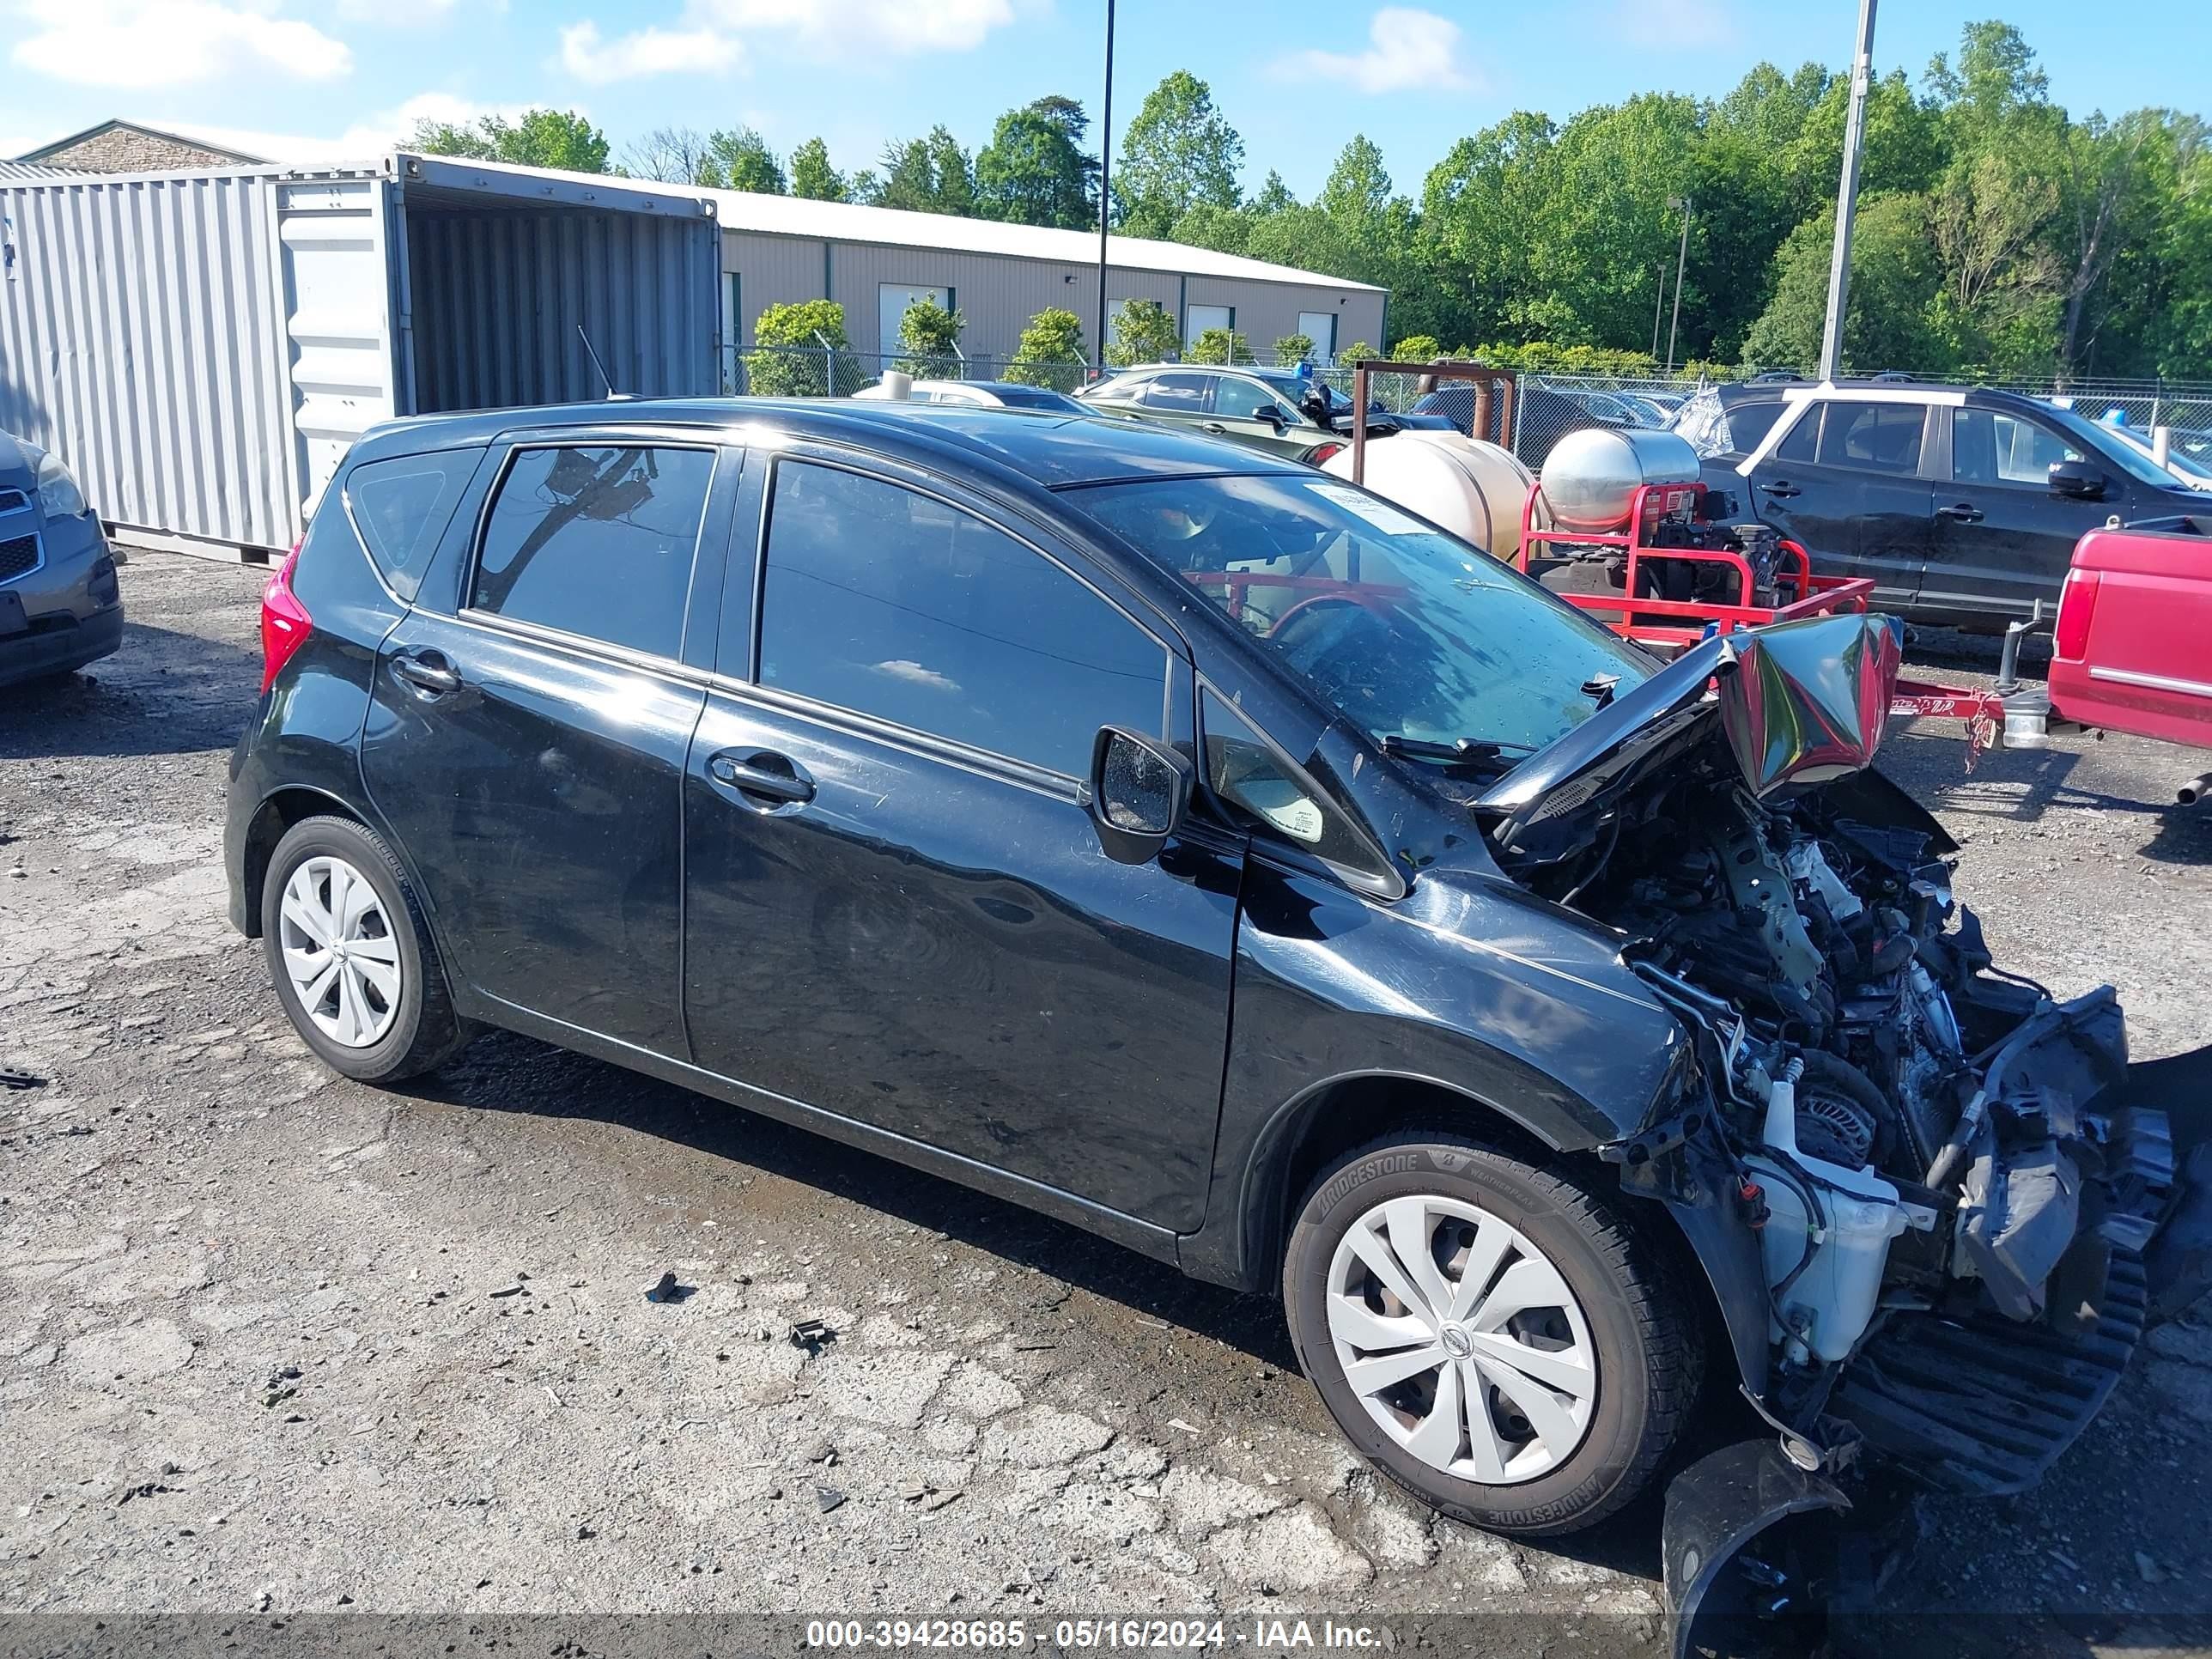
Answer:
[(1461, 752)]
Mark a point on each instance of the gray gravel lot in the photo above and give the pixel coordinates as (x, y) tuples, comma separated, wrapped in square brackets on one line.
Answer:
[(277, 1341)]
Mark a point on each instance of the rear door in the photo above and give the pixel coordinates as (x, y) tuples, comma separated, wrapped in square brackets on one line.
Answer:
[(2003, 540), (1180, 398), (528, 728), (1845, 480)]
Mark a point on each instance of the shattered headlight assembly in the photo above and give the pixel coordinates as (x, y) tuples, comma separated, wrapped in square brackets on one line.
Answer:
[(59, 496)]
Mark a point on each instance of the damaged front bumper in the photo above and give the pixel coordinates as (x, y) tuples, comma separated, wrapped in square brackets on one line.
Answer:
[(1963, 1400)]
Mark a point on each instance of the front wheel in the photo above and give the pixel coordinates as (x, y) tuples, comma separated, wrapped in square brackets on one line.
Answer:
[(1487, 1333)]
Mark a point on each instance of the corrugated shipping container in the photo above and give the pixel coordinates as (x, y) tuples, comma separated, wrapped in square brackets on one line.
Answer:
[(203, 347)]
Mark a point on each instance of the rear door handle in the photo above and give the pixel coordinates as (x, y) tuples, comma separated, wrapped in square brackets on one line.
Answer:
[(762, 775), (1964, 512), (428, 672), (1782, 487)]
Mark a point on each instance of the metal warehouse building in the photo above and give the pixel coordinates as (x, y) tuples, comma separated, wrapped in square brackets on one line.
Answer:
[(201, 347)]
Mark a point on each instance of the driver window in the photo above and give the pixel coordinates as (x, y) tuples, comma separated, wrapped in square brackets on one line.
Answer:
[(1241, 400), (1247, 775), (1987, 446)]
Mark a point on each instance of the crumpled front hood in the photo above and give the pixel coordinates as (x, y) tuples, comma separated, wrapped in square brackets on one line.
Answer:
[(1800, 702)]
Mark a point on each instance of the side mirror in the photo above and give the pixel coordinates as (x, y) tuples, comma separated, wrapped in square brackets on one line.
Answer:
[(1139, 788), (2077, 481), (1271, 415)]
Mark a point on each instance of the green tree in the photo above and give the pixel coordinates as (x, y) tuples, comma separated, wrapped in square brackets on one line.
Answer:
[(1895, 279), (927, 336), (1221, 345), (745, 162), (812, 177), (1274, 195), (1144, 333), (927, 175), (1223, 229), (1417, 349), (1353, 353), (1177, 153), (1050, 351), (790, 361), (1294, 348), (1034, 171), (537, 138)]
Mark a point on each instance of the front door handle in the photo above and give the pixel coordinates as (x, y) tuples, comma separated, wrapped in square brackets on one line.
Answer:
[(1782, 487), (1964, 512), (762, 775), (1214, 427), (428, 672)]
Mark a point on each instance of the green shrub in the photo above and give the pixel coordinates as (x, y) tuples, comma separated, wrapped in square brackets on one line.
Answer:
[(1221, 345), (927, 336), (1294, 348), (1417, 349), (1050, 352), (788, 360), (1143, 333)]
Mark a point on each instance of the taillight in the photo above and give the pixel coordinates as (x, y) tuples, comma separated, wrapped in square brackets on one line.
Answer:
[(285, 623), (1323, 453), (2077, 603)]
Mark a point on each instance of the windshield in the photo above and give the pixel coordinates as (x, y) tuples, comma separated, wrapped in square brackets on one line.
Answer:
[(1411, 634), (2177, 460)]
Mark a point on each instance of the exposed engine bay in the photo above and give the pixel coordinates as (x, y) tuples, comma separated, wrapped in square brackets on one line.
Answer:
[(1926, 1172)]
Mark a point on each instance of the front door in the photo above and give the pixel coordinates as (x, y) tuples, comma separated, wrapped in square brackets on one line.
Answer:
[(1238, 407), (527, 748), (897, 910), (2003, 540)]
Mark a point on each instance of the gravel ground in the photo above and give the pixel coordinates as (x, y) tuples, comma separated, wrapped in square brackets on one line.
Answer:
[(275, 1341)]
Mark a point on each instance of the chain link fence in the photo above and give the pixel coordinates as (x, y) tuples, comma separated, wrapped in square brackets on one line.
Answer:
[(1544, 408)]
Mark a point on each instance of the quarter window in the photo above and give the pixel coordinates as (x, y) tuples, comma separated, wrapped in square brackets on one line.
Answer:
[(891, 603), (597, 542), (1743, 425), (1798, 443), (1246, 773), (1874, 437), (402, 507), (1178, 394)]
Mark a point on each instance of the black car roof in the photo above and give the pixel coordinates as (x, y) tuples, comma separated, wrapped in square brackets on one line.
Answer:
[(1040, 447)]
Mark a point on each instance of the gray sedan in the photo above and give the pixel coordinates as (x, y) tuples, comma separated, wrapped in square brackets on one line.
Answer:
[(60, 605)]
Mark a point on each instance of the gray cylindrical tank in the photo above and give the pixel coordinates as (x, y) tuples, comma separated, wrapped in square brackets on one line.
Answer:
[(1591, 476)]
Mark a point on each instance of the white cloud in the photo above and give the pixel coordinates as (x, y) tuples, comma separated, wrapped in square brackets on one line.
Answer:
[(645, 51), (391, 13), (1676, 23), (714, 36), (1409, 51), (363, 141), (162, 43)]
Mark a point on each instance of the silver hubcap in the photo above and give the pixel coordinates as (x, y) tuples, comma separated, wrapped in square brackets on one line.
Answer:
[(339, 952), (1461, 1339)]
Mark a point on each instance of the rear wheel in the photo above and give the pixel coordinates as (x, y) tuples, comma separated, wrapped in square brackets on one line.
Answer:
[(1489, 1335), (350, 956)]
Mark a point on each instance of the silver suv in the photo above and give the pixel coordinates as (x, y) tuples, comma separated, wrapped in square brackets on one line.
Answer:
[(60, 605)]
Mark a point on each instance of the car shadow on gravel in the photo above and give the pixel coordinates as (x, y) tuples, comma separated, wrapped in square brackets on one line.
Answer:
[(165, 692), (2021, 786), (503, 1071)]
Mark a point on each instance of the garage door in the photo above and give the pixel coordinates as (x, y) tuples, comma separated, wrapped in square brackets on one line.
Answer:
[(891, 300)]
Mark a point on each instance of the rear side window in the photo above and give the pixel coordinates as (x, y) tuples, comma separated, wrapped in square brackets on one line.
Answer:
[(597, 542), (891, 603), (1178, 394), (402, 507), (1874, 437), (1743, 426), (1798, 443)]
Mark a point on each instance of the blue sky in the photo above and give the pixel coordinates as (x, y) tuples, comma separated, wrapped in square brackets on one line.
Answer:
[(318, 80)]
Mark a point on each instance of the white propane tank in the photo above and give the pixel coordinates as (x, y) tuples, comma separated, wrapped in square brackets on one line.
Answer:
[(1474, 489), (1830, 1302)]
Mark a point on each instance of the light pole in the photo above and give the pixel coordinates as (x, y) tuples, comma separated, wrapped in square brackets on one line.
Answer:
[(1681, 261), (1105, 177), (1658, 310), (1847, 198)]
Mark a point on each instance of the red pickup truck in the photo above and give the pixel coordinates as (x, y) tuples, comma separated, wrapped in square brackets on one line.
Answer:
[(2132, 647)]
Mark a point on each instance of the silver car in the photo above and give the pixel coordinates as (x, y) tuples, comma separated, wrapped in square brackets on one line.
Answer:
[(61, 606)]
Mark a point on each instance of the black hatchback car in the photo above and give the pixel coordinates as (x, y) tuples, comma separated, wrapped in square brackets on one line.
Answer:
[(1210, 853), (1963, 504)]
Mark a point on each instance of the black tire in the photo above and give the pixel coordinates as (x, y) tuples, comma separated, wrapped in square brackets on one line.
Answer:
[(425, 1032), (1647, 1337)]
